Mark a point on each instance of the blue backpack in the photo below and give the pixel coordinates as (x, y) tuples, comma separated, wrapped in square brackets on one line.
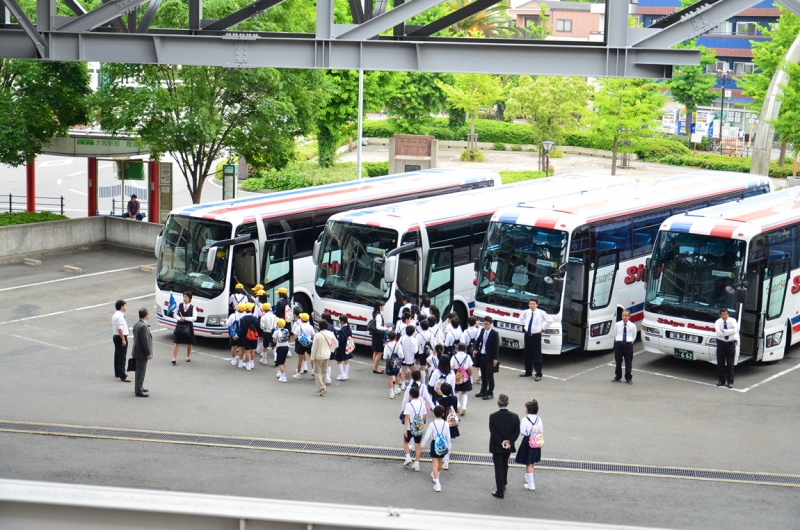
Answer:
[(233, 329), (440, 446), (305, 340)]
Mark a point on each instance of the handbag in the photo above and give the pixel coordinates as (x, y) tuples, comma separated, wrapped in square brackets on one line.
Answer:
[(495, 368), (131, 365), (183, 330)]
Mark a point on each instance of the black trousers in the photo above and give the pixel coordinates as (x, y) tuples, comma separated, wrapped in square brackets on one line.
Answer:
[(726, 354), (500, 471), (623, 350), (533, 353), (120, 353), (141, 369), (487, 378)]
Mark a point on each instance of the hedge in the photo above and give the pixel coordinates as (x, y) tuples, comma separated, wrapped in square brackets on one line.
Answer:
[(509, 177), (22, 218), (304, 174), (723, 163)]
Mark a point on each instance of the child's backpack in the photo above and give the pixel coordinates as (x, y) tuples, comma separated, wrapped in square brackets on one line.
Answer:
[(440, 446), (462, 375), (233, 329), (472, 345), (535, 439), (305, 340), (452, 417), (252, 334), (350, 345), (282, 335), (395, 364), (437, 387), (417, 423), (427, 348)]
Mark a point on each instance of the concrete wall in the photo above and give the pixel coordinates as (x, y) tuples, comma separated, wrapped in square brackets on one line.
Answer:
[(38, 240)]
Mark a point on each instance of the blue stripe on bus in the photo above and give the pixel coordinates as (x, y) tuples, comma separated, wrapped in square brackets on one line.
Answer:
[(638, 308), (680, 227), (471, 305), (795, 320), (509, 218)]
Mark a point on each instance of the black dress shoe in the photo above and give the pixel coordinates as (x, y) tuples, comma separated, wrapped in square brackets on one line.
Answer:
[(142, 395), (525, 375), (145, 390), (616, 380), (487, 397), (480, 394), (730, 385), (498, 494), (629, 381), (537, 378), (721, 383)]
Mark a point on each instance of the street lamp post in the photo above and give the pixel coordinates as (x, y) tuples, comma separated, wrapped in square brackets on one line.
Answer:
[(722, 78), (547, 146)]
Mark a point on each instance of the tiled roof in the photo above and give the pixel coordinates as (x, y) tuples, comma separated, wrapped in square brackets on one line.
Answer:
[(733, 52), (655, 10)]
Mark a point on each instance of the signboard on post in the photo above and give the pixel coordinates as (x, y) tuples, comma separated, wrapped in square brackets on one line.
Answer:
[(164, 189), (229, 181)]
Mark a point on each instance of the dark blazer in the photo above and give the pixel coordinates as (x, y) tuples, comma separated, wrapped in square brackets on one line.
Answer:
[(142, 341), (503, 425), (492, 346)]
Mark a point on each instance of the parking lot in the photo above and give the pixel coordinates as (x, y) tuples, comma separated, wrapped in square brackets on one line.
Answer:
[(56, 368)]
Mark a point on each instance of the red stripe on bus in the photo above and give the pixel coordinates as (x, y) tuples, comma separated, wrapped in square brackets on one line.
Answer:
[(637, 317), (796, 328), (723, 230), (548, 220)]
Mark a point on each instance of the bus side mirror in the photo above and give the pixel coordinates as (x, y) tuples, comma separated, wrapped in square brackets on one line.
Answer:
[(741, 295), (475, 264), (158, 243), (315, 251), (646, 271), (558, 285), (390, 269), (211, 258)]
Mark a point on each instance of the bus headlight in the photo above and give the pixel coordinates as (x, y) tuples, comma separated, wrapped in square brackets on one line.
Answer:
[(712, 340), (552, 331), (598, 330), (651, 331), (217, 320), (774, 339)]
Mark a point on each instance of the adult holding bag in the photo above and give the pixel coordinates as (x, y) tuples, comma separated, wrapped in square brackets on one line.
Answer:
[(489, 347), (142, 351), (184, 327)]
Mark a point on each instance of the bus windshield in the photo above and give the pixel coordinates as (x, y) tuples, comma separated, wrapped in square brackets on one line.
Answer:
[(693, 276), (516, 263), (350, 264), (182, 262)]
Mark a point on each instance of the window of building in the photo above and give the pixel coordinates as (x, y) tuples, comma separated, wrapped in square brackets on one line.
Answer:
[(746, 28), (713, 68), (531, 21), (724, 28), (563, 25), (743, 68)]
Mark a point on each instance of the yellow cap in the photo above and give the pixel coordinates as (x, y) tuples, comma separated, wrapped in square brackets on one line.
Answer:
[(266, 307), (249, 306), (281, 322), (261, 292), (241, 307), (283, 290), (258, 287), (239, 286), (304, 317)]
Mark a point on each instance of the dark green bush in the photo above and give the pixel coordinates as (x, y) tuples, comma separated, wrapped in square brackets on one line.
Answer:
[(499, 146), (375, 169), (510, 177), (22, 218)]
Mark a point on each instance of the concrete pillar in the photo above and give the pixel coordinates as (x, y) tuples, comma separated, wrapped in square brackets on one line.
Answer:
[(30, 184), (152, 199), (92, 186)]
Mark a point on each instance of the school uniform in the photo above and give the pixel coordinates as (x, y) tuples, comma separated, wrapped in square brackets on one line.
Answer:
[(248, 322), (390, 349), (413, 408), (534, 322), (447, 402), (424, 396), (378, 336), (404, 309), (452, 336), (461, 360), (234, 317), (436, 427), (235, 299), (437, 378), (425, 342), (525, 454), (469, 335), (343, 334), (187, 312), (409, 346), (268, 322), (280, 338), (302, 328)]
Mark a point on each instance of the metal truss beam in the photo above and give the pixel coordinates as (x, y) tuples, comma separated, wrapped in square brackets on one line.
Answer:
[(254, 51), (42, 49), (149, 15), (357, 11), (102, 15), (452, 18), (693, 23), (793, 6), (118, 23), (249, 11), (387, 20), (195, 14), (75, 7)]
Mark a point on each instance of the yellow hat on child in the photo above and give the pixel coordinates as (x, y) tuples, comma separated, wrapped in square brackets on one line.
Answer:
[(250, 306), (281, 322), (239, 286), (283, 290), (241, 307), (304, 317), (258, 287), (261, 292), (266, 307)]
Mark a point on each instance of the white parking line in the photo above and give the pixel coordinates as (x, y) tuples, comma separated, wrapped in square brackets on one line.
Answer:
[(681, 379), (104, 304), (38, 341), (78, 192), (76, 173), (598, 366), (67, 279), (771, 378)]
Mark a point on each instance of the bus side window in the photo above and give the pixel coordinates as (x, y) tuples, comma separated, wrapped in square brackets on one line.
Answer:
[(645, 229), (614, 236), (752, 192)]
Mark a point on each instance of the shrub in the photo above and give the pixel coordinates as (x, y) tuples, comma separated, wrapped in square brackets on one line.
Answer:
[(499, 146), (556, 153), (22, 218), (510, 177), (722, 163), (300, 175), (472, 155), (516, 147), (375, 169)]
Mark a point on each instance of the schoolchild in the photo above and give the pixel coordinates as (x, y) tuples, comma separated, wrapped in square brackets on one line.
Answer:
[(424, 395), (238, 296), (393, 353), (436, 313), (233, 331), (425, 307), (434, 358), (400, 327), (470, 338), (433, 325), (425, 343), (248, 332), (438, 435), (410, 349), (267, 322), (259, 299), (444, 325), (461, 363), (280, 338), (303, 333), (327, 317), (345, 350), (405, 307), (414, 427), (452, 336), (439, 376), (414, 313), (451, 411), (528, 456), (283, 307)]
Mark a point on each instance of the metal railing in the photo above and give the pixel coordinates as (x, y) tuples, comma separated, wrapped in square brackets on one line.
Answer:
[(19, 203)]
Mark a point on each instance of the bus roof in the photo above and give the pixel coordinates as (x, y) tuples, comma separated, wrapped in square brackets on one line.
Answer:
[(354, 192), (576, 210), (742, 219), (432, 211)]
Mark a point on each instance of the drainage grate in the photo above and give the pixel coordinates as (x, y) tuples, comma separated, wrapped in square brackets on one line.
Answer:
[(391, 453)]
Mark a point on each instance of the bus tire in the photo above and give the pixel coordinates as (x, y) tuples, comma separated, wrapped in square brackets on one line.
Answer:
[(461, 311), (304, 302)]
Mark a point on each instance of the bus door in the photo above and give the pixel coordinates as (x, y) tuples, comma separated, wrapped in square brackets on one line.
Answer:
[(407, 284), (600, 296), (245, 264), (573, 322), (277, 268), (440, 278), (772, 293)]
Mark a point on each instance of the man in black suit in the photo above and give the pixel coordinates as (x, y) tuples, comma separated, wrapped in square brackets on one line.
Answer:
[(489, 348), (503, 433), (142, 351)]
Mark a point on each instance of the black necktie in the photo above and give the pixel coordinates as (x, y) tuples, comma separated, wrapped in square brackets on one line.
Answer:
[(624, 332)]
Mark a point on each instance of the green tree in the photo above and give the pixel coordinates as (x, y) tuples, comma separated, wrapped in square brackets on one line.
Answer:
[(540, 30), (200, 114), (417, 97), (39, 100), (552, 105), (492, 22), (623, 109), (472, 92), (690, 85), (788, 123)]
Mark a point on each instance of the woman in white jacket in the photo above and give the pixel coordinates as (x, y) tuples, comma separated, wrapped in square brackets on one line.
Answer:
[(324, 343)]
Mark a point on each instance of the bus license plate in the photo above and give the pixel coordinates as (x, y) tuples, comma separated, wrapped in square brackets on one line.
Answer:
[(510, 343), (684, 354)]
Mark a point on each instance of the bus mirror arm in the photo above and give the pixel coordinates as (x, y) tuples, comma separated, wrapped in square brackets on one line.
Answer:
[(400, 250), (557, 278), (740, 288), (235, 241)]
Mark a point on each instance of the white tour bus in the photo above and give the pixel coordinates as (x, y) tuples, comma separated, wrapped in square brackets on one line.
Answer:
[(741, 256), (418, 247), (207, 248), (582, 258)]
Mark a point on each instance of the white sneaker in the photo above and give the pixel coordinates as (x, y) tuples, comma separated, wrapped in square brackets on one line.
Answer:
[(463, 412), (403, 386), (297, 376), (415, 467), (288, 354), (340, 378), (248, 367), (327, 380), (278, 375), (527, 486), (233, 361), (263, 361), (408, 461), (240, 365), (445, 467), (432, 478), (282, 379), (391, 394), (437, 487)]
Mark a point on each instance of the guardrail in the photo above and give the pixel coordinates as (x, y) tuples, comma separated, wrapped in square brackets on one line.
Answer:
[(19, 203)]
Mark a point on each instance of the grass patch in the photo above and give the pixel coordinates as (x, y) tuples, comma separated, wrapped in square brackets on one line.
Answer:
[(509, 177), (23, 218), (305, 174), (472, 155)]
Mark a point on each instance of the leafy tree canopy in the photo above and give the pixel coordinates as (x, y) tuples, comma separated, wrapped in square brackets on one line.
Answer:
[(552, 105)]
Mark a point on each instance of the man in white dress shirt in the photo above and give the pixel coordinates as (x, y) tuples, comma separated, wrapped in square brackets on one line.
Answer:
[(727, 338), (625, 332), (534, 321), (119, 327)]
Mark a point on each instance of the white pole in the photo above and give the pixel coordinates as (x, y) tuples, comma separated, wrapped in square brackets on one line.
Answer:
[(360, 120)]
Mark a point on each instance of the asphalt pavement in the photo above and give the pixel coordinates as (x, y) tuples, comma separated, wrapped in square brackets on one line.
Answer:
[(56, 367)]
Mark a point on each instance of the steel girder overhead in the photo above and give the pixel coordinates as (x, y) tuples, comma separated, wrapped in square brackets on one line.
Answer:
[(103, 35)]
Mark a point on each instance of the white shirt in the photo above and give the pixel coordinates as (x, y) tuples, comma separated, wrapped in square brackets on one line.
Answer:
[(190, 318), (404, 309), (425, 337), (526, 425), (424, 312), (452, 336), (268, 321), (540, 320), (413, 407), (409, 346), (437, 336), (432, 360), (392, 347), (424, 396), (304, 327), (400, 328), (380, 323), (434, 428), (236, 299), (631, 333), (118, 322), (436, 375), (727, 335), (460, 359), (470, 334), (278, 343)]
